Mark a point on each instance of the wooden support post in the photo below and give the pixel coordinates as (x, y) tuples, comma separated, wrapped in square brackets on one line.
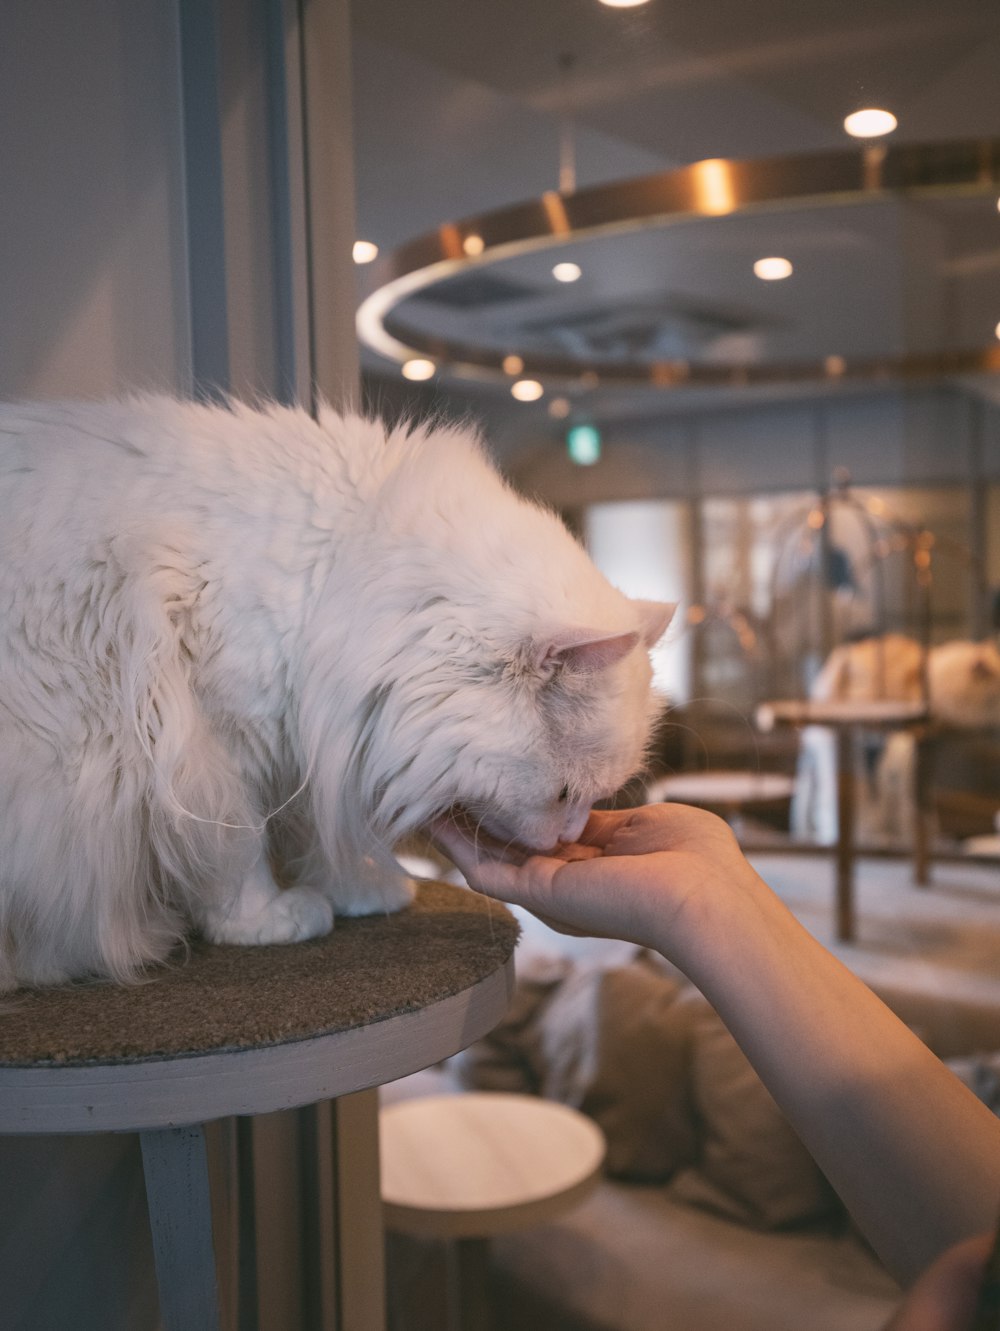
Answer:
[(845, 834), (176, 1171)]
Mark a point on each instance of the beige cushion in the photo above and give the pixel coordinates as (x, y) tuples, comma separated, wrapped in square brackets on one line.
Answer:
[(752, 1167), (615, 1044)]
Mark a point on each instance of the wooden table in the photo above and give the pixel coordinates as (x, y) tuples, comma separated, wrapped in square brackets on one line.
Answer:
[(248, 1031), (467, 1167), (846, 719)]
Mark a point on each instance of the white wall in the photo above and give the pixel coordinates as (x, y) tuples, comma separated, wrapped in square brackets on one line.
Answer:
[(92, 267)]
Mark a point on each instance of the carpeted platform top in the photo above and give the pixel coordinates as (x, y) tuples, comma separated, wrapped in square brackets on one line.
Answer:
[(229, 998)]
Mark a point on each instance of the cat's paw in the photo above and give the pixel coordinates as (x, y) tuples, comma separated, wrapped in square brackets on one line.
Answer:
[(378, 897), (292, 916)]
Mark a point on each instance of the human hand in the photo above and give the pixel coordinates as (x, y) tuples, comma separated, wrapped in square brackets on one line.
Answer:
[(944, 1298), (634, 874)]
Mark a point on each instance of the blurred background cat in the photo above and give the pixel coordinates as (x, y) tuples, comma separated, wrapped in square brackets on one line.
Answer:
[(962, 690)]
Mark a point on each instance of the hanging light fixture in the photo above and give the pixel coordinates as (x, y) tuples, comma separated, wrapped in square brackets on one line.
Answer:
[(700, 191)]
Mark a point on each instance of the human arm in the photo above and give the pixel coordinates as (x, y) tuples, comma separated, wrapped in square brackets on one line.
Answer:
[(914, 1155), (951, 1293)]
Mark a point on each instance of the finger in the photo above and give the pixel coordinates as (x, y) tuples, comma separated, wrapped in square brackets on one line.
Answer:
[(602, 826), (519, 884), (558, 927), (576, 851), (467, 845)]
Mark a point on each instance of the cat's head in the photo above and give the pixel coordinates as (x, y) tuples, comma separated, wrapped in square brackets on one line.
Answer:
[(523, 735), (492, 666), (565, 723)]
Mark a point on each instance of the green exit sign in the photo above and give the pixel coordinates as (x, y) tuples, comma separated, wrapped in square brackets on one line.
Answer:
[(583, 444)]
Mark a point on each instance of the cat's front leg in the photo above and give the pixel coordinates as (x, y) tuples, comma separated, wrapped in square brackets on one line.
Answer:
[(354, 885), (259, 911), (372, 890)]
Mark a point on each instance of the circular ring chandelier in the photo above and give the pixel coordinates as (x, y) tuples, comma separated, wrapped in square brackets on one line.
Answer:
[(715, 187)]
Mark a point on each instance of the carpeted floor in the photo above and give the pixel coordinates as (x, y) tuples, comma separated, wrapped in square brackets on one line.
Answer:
[(953, 924), (937, 948)]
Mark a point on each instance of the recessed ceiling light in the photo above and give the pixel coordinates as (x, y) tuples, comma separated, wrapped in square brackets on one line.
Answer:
[(527, 390), (623, 4), (772, 269), (870, 123), (512, 364), (473, 246), (418, 368), (997, 330), (566, 272), (364, 251)]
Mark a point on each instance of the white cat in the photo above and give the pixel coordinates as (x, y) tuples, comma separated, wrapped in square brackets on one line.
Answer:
[(234, 637), (885, 667)]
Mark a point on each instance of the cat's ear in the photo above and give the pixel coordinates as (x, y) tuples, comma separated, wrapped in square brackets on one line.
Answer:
[(982, 670), (581, 650), (654, 616)]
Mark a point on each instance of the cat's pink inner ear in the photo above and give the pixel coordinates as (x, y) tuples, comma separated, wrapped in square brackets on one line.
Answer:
[(654, 616), (585, 650)]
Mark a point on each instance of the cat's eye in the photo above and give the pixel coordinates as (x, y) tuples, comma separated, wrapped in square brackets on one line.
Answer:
[(564, 795)]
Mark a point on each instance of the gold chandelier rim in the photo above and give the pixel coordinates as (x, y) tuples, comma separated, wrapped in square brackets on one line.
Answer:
[(712, 188)]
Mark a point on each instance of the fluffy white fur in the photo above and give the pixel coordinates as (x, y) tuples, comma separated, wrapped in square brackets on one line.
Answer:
[(232, 639)]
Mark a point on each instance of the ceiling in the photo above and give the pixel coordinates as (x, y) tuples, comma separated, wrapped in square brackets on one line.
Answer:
[(460, 107)]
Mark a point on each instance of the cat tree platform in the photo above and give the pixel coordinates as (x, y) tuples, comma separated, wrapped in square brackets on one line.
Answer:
[(226, 1031)]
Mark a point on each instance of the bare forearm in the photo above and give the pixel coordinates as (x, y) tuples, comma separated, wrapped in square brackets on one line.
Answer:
[(914, 1155)]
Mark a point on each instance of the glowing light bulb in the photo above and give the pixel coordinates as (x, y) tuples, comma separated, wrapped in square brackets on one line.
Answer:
[(623, 4), (473, 246), (364, 251), (527, 390), (870, 123), (773, 269), (583, 444), (567, 272), (418, 368), (512, 364)]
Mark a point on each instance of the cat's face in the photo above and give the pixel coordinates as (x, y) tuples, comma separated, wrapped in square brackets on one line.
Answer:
[(565, 726)]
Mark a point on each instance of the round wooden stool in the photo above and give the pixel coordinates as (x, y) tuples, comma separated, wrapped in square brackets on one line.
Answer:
[(468, 1167), (244, 1031)]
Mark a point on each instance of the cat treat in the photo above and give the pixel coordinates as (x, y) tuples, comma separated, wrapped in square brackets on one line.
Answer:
[(243, 653)]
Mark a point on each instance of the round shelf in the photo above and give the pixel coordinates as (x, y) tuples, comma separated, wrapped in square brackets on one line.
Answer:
[(241, 1030)]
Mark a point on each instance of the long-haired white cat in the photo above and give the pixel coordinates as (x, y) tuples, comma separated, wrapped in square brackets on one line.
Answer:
[(231, 638)]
